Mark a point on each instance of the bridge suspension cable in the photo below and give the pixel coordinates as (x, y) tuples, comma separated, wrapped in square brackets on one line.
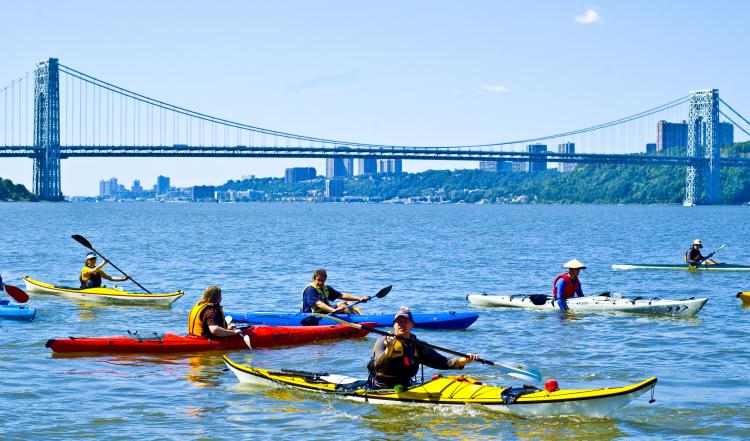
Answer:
[(204, 118)]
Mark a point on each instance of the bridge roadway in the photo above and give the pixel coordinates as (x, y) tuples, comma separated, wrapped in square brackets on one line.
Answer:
[(418, 153)]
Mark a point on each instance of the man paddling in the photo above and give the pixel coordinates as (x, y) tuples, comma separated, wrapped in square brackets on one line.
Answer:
[(694, 257), (318, 297), (568, 285), (395, 361), (92, 275)]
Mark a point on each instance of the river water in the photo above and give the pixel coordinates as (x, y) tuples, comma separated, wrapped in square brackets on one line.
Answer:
[(262, 255)]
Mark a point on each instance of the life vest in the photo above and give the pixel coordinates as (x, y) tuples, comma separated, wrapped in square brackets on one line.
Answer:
[(95, 279), (324, 296), (570, 287), (400, 365), (197, 326)]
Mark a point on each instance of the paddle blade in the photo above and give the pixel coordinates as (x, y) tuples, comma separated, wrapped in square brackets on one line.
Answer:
[(384, 292), (519, 371), (17, 293), (82, 240)]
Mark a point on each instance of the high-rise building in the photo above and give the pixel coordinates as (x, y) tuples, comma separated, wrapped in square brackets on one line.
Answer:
[(567, 148), (162, 185), (676, 134), (299, 174), (334, 188), (389, 166), (110, 187), (537, 164), (496, 166), (367, 166), (671, 134), (136, 187), (339, 167)]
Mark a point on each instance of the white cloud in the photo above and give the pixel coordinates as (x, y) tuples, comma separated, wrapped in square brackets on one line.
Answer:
[(495, 88), (590, 16)]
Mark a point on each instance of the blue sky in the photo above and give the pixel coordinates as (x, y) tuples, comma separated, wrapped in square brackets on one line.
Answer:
[(407, 72)]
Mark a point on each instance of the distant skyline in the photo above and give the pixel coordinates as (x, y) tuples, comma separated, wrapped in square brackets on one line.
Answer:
[(410, 73)]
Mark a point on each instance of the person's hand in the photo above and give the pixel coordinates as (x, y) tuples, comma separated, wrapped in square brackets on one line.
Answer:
[(106, 260), (364, 299), (468, 359), (236, 331), (390, 340), (127, 276)]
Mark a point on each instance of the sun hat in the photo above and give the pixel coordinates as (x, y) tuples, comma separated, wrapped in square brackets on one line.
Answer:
[(574, 264), (698, 242), (90, 256), (403, 311)]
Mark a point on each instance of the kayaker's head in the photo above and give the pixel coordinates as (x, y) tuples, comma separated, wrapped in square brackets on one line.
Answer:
[(697, 244), (319, 277), (212, 295), (574, 267), (403, 322), (91, 260)]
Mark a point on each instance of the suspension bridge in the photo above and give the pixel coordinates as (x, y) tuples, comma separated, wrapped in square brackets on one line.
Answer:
[(54, 112)]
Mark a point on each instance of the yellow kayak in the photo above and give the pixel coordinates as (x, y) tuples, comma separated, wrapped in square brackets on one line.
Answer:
[(744, 296), (102, 294), (455, 390)]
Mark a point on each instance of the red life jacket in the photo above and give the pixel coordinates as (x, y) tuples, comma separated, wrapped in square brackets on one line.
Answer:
[(570, 288)]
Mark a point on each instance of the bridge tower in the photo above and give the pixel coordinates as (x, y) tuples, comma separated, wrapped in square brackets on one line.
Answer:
[(703, 136), (47, 131)]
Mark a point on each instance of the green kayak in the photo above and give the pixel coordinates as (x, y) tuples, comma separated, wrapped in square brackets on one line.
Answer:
[(681, 266)]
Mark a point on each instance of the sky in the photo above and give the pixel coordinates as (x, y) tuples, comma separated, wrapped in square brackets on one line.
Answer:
[(390, 72)]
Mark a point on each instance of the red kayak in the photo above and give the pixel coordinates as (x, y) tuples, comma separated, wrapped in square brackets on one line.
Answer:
[(260, 337)]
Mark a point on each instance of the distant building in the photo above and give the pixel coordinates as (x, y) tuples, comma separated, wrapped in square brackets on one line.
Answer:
[(389, 166), (537, 164), (110, 188), (367, 166), (676, 134), (651, 148), (334, 188), (136, 188), (496, 166), (339, 167), (203, 192), (567, 148), (162, 185), (519, 167), (671, 135), (299, 174)]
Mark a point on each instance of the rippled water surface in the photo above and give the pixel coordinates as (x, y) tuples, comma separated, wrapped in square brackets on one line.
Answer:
[(262, 255)]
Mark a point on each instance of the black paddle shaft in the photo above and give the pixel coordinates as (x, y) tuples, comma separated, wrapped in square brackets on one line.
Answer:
[(82, 240), (313, 320)]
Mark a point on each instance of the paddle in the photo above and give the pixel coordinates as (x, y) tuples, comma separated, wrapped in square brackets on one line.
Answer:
[(82, 240), (312, 320), (721, 247), (519, 371), (245, 337), (17, 293)]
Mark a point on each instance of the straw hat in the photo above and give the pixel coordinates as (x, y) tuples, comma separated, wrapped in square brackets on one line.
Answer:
[(574, 264), (698, 242)]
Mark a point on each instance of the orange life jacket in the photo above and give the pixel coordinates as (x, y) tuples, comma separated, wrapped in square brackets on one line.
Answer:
[(196, 325)]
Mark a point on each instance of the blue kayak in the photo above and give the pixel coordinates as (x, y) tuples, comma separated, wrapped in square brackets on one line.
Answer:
[(445, 320), (14, 311)]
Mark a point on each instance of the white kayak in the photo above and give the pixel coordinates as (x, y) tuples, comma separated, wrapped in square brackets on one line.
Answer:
[(605, 302)]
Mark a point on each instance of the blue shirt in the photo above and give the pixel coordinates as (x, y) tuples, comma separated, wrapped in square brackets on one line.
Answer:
[(560, 289), (310, 297)]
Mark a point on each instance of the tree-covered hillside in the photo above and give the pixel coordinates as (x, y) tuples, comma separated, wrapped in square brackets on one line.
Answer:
[(14, 192)]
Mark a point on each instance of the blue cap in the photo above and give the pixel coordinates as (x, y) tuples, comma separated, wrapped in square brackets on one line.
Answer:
[(403, 311)]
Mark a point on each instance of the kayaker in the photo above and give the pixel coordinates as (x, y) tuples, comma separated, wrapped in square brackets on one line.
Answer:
[(567, 285), (92, 275), (396, 362), (206, 319), (318, 297), (694, 257)]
